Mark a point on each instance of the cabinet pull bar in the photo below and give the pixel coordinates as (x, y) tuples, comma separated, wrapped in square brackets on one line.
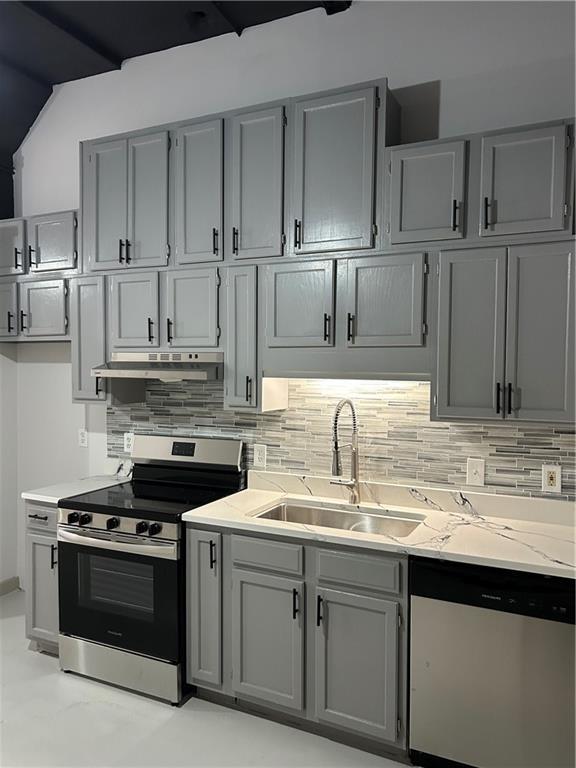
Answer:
[(214, 240), (169, 335), (498, 396), (17, 265), (10, 326), (38, 517), (319, 616), (32, 261), (295, 609), (53, 562), (509, 399), (97, 386), (248, 389), (212, 554), (120, 247), (487, 205), (455, 209), (326, 326), (297, 234), (22, 316), (235, 240), (128, 245), (350, 327), (150, 334)]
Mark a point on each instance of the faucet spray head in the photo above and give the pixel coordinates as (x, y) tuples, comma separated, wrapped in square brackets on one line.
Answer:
[(336, 462)]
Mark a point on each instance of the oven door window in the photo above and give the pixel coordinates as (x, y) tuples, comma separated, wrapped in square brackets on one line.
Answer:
[(119, 599)]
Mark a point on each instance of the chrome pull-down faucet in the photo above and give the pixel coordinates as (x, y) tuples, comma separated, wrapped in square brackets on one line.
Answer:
[(353, 484)]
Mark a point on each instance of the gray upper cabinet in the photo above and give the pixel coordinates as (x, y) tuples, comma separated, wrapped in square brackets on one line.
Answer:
[(12, 243), (199, 192), (134, 310), (540, 333), (204, 614), (52, 242), (471, 331), (427, 192), (192, 308), (523, 181), (357, 663), (333, 172), (257, 183), (385, 301), (300, 304), (43, 308), (88, 325), (240, 374), (42, 588), (8, 310), (268, 638)]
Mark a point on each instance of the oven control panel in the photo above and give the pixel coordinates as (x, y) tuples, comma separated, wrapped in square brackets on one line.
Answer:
[(118, 524)]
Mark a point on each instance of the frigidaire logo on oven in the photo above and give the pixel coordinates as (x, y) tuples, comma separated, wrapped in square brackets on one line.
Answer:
[(111, 632)]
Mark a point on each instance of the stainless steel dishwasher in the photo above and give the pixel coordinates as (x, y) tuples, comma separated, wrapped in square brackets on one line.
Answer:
[(491, 667)]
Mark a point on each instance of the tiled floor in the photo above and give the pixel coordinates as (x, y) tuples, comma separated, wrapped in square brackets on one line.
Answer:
[(52, 719)]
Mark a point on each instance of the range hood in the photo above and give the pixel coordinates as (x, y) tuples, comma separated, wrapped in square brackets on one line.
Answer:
[(186, 365)]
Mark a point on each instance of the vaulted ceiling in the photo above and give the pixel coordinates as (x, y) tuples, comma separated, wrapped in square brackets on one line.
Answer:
[(45, 43)]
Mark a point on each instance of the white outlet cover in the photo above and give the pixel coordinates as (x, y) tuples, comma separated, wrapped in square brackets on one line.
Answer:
[(552, 478), (83, 438), (475, 471), (260, 456), (128, 441)]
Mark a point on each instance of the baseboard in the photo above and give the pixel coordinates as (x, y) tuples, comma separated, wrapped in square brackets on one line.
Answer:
[(9, 585)]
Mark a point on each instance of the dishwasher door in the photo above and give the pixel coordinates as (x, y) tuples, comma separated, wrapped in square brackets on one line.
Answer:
[(489, 688)]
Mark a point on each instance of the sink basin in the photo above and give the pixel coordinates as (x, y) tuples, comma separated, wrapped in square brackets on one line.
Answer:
[(326, 517)]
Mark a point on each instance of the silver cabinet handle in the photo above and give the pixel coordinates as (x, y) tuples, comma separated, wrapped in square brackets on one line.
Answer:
[(164, 550)]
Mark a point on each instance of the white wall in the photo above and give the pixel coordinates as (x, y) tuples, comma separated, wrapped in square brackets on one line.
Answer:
[(499, 64)]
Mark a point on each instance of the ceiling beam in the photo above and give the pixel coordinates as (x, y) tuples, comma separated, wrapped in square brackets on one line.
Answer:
[(60, 23), (24, 72), (227, 18)]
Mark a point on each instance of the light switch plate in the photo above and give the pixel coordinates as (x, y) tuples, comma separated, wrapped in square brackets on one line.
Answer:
[(475, 471), (128, 441), (83, 438), (259, 456), (552, 478)]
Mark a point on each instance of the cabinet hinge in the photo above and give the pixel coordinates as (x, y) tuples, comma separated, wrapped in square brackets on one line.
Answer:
[(75, 222), (424, 329), (284, 119), (89, 158), (438, 269), (283, 238), (399, 621), (568, 140), (66, 322), (435, 400), (167, 252), (566, 210), (75, 257), (387, 227), (218, 332), (426, 268), (390, 167), (176, 141), (398, 726), (169, 143), (378, 102)]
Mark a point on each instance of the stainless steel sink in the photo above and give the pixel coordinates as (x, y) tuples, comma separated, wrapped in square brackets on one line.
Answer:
[(325, 517)]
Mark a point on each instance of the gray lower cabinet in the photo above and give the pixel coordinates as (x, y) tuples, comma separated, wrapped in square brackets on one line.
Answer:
[(12, 243), (204, 626), (192, 307), (356, 659), (88, 331), (8, 310), (471, 331), (257, 183), (134, 309), (333, 171), (43, 308), (240, 372), (299, 304), (427, 195), (268, 638), (385, 301), (540, 320), (523, 184), (199, 192), (52, 241), (42, 587)]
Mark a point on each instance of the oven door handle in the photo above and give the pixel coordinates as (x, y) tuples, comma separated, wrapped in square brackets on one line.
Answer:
[(165, 550)]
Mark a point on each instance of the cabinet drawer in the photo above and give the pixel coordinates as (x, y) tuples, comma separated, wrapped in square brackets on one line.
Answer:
[(41, 517), (361, 571), (273, 555)]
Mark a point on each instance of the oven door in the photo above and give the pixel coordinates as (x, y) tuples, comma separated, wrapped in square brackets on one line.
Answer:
[(122, 591)]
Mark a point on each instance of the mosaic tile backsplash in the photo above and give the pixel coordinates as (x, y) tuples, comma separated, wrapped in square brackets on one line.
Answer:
[(397, 440)]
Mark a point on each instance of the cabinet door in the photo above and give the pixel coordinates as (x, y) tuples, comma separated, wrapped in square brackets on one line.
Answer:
[(12, 260), (334, 159), (43, 308), (88, 336), (540, 333), (147, 234), (427, 193), (471, 331), (257, 183), (192, 307), (268, 638), (134, 310), (240, 377), (204, 616), (104, 211), (385, 301), (41, 587), (52, 242), (8, 310), (523, 181), (300, 304), (199, 191), (357, 663)]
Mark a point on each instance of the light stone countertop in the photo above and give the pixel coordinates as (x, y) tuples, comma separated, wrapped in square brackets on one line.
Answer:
[(52, 494), (519, 533)]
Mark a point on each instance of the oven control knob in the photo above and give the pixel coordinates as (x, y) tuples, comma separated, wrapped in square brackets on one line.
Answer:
[(142, 526), (72, 517), (112, 522), (154, 529), (85, 518)]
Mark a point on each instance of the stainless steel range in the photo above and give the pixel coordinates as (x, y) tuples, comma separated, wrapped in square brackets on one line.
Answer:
[(121, 563)]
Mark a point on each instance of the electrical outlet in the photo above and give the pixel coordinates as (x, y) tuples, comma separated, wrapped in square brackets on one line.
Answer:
[(259, 456), (552, 478), (83, 438), (475, 471), (128, 441)]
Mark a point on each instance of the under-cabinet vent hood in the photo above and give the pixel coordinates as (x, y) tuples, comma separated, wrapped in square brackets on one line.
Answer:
[(186, 365)]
